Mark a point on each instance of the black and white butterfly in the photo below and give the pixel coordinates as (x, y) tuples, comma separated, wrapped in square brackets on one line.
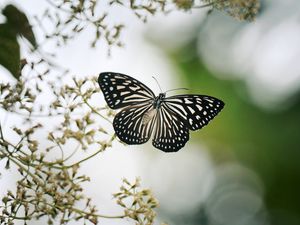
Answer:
[(143, 114)]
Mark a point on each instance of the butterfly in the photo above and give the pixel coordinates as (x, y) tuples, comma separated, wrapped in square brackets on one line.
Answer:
[(143, 114)]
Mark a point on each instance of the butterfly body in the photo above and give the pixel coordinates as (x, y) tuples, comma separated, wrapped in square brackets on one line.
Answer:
[(158, 100), (167, 119)]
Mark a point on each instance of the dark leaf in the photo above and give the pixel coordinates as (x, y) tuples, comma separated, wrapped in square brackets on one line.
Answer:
[(16, 24), (9, 51), (19, 23)]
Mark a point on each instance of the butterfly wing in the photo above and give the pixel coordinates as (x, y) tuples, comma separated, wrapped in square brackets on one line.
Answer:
[(195, 110), (130, 126), (121, 90), (171, 133)]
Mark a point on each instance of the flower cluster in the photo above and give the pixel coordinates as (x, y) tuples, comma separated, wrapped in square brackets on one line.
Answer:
[(138, 203), (69, 18), (184, 4), (16, 96), (46, 157), (239, 9)]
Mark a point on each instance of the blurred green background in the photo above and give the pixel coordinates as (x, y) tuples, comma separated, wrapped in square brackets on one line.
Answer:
[(264, 139)]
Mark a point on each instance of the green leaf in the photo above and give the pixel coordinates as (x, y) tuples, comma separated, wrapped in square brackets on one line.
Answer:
[(16, 25), (9, 51), (19, 23)]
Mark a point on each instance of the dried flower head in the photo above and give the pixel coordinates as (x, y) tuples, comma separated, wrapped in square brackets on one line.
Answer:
[(138, 203), (239, 9), (184, 4)]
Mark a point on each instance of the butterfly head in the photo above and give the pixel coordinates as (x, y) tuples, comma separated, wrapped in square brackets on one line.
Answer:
[(161, 96), (158, 100)]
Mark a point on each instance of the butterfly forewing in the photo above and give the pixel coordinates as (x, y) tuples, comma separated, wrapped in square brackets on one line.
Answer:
[(121, 90), (171, 133), (129, 125), (195, 110)]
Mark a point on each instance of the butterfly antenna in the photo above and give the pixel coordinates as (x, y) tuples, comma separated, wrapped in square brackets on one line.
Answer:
[(177, 89), (157, 84)]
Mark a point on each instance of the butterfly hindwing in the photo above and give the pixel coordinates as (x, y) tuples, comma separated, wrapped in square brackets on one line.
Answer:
[(171, 133), (195, 110), (121, 90), (129, 125)]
